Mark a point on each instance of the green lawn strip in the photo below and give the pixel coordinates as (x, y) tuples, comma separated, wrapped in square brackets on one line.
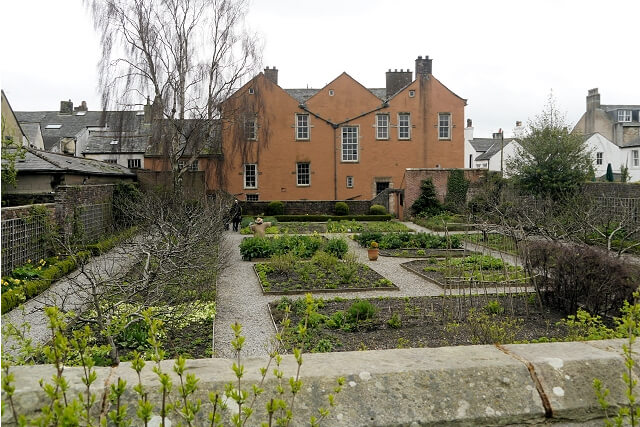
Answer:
[(496, 241)]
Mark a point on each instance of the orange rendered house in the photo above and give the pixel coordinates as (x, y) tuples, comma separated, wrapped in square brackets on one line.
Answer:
[(343, 141)]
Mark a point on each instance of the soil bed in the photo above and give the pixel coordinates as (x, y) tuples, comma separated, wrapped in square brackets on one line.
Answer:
[(427, 322), (455, 277), (308, 277)]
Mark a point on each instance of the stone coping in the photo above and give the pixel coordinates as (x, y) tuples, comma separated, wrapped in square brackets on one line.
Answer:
[(518, 384)]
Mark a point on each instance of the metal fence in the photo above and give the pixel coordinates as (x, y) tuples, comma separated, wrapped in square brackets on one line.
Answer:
[(91, 222), (23, 239)]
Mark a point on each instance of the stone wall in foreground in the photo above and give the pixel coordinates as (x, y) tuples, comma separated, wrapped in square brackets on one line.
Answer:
[(475, 385)]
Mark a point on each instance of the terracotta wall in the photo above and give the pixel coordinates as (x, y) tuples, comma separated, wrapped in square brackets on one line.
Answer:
[(276, 150)]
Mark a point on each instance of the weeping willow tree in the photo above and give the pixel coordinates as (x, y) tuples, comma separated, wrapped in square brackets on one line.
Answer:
[(184, 57)]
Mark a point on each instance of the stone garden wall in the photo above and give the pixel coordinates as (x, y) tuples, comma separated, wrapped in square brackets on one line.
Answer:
[(520, 384)]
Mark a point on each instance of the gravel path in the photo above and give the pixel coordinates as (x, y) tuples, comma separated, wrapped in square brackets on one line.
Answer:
[(240, 298), (65, 293)]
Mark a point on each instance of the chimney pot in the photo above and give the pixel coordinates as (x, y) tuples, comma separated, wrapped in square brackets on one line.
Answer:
[(469, 123)]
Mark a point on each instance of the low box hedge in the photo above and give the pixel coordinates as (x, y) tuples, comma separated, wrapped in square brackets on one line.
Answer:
[(325, 218), (32, 288)]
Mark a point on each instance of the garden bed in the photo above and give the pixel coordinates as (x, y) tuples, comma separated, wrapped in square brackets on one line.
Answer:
[(474, 270), (386, 323), (424, 253), (445, 221), (319, 275)]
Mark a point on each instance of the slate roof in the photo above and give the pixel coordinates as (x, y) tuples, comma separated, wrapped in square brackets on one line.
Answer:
[(608, 108), (73, 124), (100, 142), (30, 131), (482, 144), (302, 95), (37, 161), (495, 148)]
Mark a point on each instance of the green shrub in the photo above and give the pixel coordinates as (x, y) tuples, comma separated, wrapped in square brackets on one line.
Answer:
[(337, 247), (457, 187), (325, 260), (427, 203), (377, 210), (255, 247), (341, 209), (395, 322), (284, 263), (494, 307), (361, 310), (275, 208)]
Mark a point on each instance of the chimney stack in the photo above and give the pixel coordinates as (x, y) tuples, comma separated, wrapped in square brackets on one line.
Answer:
[(271, 74), (423, 66), (396, 80), (66, 107), (82, 107), (593, 103)]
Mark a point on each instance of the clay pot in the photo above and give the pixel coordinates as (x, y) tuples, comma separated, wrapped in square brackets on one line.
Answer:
[(373, 254)]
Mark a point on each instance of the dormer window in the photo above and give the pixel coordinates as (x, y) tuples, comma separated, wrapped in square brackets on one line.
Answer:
[(624, 115)]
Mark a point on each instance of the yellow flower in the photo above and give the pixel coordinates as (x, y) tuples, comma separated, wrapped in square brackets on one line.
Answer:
[(28, 261)]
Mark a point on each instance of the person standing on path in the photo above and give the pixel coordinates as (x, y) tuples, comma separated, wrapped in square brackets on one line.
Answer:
[(259, 227), (236, 214)]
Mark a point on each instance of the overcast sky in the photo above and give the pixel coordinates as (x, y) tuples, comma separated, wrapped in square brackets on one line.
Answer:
[(504, 57)]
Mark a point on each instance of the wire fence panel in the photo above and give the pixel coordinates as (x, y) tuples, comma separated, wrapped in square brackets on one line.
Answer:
[(93, 221), (23, 239)]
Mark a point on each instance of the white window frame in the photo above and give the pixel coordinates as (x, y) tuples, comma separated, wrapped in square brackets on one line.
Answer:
[(404, 126), (303, 178), (251, 128), (193, 167), (382, 129), (599, 158), (349, 182), (444, 126), (624, 116), (245, 169), (137, 163), (412, 93), (347, 146), (303, 131), (635, 158)]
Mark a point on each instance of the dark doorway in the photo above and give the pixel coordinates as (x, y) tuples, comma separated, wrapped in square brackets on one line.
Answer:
[(381, 186)]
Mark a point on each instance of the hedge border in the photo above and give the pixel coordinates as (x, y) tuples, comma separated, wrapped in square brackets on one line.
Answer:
[(32, 288), (325, 218)]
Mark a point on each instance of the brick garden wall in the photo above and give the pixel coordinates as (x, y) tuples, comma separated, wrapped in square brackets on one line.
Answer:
[(71, 197), (413, 179), (302, 207)]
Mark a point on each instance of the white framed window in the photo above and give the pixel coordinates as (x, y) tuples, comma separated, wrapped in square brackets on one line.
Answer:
[(134, 163), (412, 93), (302, 127), (303, 174), (331, 92), (250, 175), (599, 156), (193, 167), (251, 91), (251, 128), (382, 126), (404, 126), (349, 182), (624, 115), (252, 197), (635, 158), (444, 125), (350, 143)]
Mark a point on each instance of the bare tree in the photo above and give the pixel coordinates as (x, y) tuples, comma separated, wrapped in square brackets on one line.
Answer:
[(188, 56), (176, 255)]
